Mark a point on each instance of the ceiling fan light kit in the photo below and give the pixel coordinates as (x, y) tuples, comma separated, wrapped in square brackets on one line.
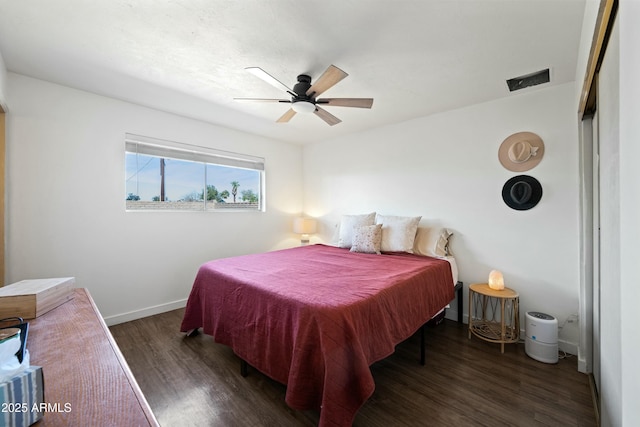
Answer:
[(304, 93), (303, 107)]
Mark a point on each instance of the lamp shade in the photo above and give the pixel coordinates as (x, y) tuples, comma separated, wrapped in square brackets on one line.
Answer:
[(496, 281), (304, 225)]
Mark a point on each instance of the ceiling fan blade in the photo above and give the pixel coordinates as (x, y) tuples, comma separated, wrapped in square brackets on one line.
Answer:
[(261, 100), (330, 77), (347, 102), (327, 116), (286, 116), (263, 75)]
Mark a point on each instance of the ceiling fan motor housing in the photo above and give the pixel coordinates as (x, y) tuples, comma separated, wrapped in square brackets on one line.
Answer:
[(301, 88)]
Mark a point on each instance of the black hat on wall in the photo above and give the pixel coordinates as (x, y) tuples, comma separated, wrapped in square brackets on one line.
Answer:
[(522, 192)]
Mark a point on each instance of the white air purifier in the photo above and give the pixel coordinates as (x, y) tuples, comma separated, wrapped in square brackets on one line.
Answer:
[(541, 342)]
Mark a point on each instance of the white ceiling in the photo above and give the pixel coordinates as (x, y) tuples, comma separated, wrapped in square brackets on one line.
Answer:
[(415, 58)]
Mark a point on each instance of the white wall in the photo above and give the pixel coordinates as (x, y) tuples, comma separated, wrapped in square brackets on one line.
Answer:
[(66, 207), (445, 167), (3, 85)]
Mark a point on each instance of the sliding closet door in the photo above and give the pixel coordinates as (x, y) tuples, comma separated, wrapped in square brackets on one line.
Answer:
[(600, 220), (596, 254), (608, 107)]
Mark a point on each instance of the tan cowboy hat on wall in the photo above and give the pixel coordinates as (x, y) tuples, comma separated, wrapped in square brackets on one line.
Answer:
[(521, 151)]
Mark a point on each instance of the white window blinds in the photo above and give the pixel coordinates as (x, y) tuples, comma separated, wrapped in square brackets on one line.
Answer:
[(175, 150)]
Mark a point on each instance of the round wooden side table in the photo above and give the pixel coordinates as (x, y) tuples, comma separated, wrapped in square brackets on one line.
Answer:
[(494, 315)]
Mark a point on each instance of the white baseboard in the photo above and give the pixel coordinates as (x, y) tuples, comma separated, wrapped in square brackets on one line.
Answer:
[(582, 365), (453, 315), (145, 312), (563, 345), (568, 347)]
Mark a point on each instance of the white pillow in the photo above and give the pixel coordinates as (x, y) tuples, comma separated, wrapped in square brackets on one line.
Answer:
[(367, 239), (348, 223), (432, 241), (398, 232), (442, 245)]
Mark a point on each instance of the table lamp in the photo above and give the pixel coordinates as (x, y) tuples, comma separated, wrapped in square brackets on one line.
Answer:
[(304, 227), (496, 281)]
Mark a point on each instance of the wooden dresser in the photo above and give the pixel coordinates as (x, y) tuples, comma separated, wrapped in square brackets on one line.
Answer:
[(87, 382)]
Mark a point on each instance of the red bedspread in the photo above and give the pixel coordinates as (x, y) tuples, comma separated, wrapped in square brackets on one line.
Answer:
[(315, 317)]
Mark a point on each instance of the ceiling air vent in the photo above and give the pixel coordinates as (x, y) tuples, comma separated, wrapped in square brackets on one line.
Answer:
[(527, 80)]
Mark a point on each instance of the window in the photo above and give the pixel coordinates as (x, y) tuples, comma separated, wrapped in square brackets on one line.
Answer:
[(166, 175)]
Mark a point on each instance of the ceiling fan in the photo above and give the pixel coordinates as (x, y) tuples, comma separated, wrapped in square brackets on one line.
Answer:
[(304, 94)]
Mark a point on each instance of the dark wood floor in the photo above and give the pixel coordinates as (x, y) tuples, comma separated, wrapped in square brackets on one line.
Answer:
[(196, 382)]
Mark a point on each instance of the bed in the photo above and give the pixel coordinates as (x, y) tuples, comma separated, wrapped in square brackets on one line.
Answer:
[(316, 317)]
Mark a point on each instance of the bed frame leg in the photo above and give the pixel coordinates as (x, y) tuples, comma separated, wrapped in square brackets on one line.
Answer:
[(422, 345), (244, 368), (192, 333), (458, 288)]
